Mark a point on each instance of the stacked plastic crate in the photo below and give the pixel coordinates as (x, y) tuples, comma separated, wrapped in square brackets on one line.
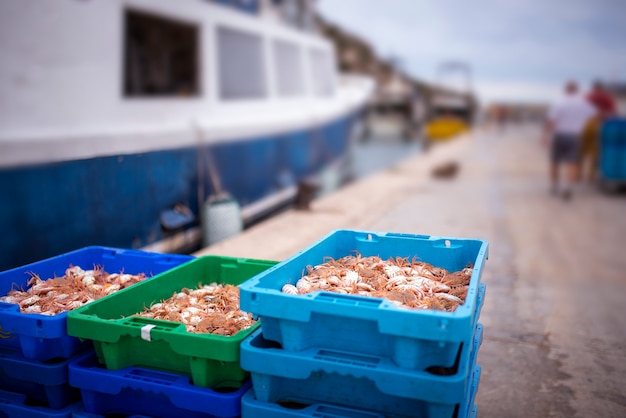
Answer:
[(35, 350), (148, 367), (613, 152), (336, 355)]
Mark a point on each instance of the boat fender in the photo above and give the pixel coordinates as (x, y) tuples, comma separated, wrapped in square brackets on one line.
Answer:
[(221, 219)]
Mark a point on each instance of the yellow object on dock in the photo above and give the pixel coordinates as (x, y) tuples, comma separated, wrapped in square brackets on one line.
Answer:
[(445, 128)]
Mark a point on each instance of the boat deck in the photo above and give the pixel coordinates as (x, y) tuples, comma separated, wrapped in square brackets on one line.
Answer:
[(555, 328)]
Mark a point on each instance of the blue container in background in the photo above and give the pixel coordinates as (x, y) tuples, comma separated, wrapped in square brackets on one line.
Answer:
[(42, 337), (412, 338), (613, 150), (139, 391), (46, 382)]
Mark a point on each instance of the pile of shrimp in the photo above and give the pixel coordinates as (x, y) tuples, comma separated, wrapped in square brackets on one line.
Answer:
[(212, 309), (61, 294), (409, 284)]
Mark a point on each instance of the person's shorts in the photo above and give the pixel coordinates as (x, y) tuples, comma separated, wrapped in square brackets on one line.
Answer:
[(565, 149)]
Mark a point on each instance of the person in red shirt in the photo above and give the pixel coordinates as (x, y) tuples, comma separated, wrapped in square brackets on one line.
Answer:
[(602, 100), (605, 105)]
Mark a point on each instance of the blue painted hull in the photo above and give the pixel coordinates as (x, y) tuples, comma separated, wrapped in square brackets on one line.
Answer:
[(117, 200)]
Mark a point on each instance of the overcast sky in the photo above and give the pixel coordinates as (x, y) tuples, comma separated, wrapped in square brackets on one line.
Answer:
[(517, 49)]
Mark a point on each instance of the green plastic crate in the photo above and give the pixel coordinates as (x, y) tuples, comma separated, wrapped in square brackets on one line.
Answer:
[(123, 340)]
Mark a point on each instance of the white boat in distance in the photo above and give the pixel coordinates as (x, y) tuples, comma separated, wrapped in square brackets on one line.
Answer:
[(115, 113)]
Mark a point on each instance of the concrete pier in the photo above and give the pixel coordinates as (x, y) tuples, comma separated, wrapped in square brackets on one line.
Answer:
[(554, 317)]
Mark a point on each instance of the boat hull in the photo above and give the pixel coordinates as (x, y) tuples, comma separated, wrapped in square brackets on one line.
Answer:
[(118, 200)]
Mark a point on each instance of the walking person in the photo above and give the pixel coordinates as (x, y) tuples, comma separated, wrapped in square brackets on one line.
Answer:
[(567, 118), (605, 107)]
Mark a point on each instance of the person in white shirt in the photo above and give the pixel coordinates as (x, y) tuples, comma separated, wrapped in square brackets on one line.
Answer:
[(566, 121)]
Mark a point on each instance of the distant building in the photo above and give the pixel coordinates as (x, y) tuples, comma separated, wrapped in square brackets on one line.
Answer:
[(512, 112)]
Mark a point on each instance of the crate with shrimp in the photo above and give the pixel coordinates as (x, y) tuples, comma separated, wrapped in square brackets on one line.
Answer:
[(354, 380), (392, 287), (139, 391), (35, 298), (184, 321)]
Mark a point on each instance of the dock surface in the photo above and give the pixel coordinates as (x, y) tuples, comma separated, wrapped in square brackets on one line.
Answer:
[(554, 318)]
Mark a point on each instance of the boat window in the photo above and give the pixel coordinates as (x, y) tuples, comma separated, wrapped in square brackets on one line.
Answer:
[(297, 13), (288, 69), (323, 72), (160, 56), (241, 65), (248, 6)]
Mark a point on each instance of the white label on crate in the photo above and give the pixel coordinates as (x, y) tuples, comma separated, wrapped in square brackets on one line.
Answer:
[(145, 332)]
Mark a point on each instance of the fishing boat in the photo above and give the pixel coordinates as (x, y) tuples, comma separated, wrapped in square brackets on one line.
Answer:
[(121, 119), (452, 110)]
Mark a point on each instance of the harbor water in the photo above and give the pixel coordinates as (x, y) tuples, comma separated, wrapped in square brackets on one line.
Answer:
[(367, 156)]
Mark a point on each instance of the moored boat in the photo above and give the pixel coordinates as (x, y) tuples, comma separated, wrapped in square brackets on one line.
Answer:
[(119, 119)]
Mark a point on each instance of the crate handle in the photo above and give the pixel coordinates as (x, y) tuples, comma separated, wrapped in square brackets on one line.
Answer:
[(368, 237), (155, 376), (351, 300), (480, 300), (327, 411), (346, 358), (410, 236), (261, 263), (147, 326)]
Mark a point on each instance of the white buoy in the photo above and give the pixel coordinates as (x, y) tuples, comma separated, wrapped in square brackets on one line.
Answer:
[(221, 219)]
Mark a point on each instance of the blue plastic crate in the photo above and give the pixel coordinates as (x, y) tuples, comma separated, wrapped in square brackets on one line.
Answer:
[(134, 390), (81, 413), (46, 383), (43, 337), (253, 408), (355, 380), (15, 405), (469, 409), (613, 150), (474, 413), (414, 339)]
